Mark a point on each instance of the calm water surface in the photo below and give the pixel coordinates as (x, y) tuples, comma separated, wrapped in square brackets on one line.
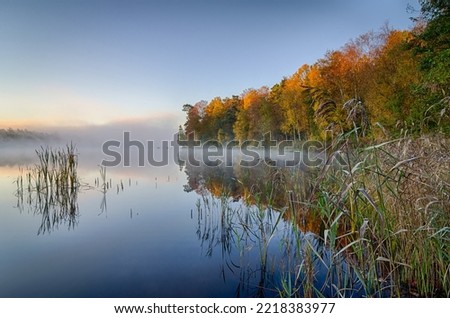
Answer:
[(157, 232)]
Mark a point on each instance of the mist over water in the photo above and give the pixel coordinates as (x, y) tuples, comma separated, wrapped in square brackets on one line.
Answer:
[(87, 139), (123, 230)]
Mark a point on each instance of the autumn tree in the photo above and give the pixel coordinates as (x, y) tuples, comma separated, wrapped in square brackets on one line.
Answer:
[(253, 118), (225, 132), (394, 78), (341, 83), (291, 98), (194, 119), (389, 79)]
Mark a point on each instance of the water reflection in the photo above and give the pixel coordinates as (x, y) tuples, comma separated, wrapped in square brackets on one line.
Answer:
[(264, 186), (268, 243), (242, 238), (55, 206), (243, 225), (104, 204)]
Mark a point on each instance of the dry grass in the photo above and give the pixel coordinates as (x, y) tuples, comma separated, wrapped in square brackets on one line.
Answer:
[(390, 209), (377, 226)]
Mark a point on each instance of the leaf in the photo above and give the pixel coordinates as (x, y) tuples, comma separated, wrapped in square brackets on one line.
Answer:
[(398, 164)]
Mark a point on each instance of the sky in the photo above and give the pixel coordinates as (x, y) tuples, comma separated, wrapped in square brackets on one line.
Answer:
[(86, 62)]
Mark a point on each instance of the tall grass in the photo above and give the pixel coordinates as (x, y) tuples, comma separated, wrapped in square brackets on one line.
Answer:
[(51, 187), (388, 210), (376, 226)]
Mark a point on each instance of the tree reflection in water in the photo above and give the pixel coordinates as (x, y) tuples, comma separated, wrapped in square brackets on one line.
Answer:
[(268, 243)]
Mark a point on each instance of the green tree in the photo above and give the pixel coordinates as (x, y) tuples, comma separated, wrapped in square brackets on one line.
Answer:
[(433, 49)]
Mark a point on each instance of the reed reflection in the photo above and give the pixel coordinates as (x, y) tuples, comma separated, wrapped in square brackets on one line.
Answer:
[(50, 188), (269, 244)]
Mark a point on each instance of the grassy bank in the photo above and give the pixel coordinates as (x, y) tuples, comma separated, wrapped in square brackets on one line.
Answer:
[(388, 212), (376, 226)]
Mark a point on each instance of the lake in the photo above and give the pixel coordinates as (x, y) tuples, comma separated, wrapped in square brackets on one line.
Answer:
[(172, 231)]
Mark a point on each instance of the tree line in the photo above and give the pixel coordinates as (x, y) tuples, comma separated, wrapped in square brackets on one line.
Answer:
[(22, 135), (380, 84)]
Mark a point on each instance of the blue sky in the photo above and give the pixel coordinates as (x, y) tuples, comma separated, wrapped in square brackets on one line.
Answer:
[(72, 63)]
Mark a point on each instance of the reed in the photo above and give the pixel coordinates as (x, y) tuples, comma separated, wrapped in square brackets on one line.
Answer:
[(387, 210), (384, 227), (104, 183), (52, 186)]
